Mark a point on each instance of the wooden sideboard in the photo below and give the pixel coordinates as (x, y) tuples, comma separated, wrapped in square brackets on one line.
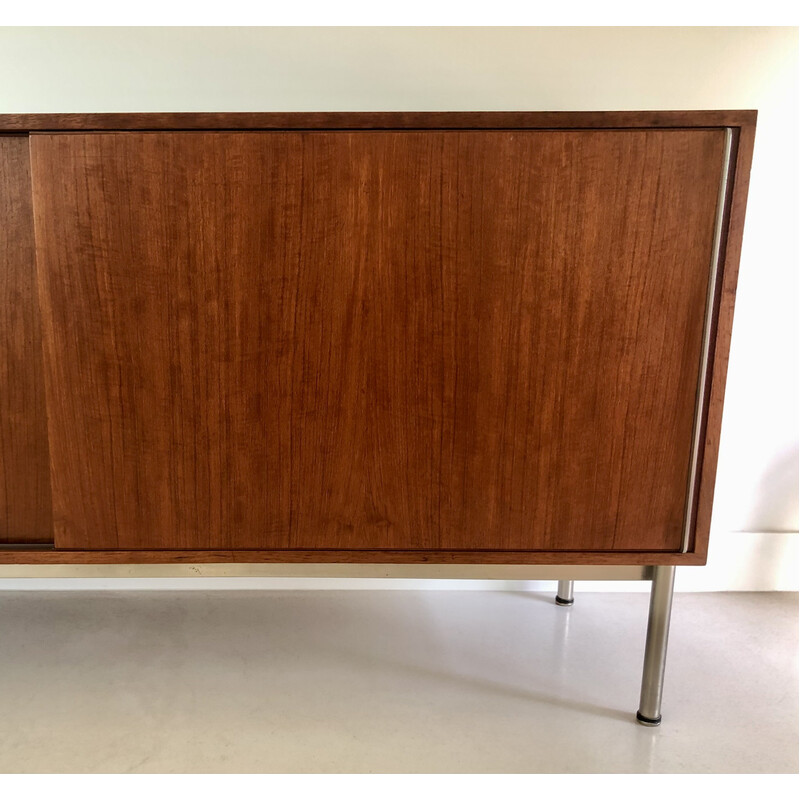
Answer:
[(375, 338)]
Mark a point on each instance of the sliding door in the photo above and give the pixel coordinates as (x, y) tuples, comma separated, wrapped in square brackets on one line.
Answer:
[(408, 340)]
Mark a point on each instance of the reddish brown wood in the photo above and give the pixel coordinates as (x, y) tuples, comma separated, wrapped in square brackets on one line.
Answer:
[(341, 557), (721, 336), (25, 510), (438, 340), (374, 120)]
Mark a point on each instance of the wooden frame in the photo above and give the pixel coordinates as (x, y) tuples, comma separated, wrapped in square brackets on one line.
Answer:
[(742, 125), (375, 120)]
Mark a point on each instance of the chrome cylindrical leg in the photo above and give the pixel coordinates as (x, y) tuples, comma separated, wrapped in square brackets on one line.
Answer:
[(655, 652), (564, 595)]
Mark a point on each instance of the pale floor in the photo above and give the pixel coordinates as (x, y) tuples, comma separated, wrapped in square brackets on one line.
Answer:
[(390, 681)]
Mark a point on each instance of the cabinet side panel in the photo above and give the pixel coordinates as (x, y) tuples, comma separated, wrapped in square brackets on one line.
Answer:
[(25, 503), (721, 337)]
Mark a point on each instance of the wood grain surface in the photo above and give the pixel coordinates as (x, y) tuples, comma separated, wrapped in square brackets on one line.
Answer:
[(376, 120), (374, 340), (563, 557), (25, 507)]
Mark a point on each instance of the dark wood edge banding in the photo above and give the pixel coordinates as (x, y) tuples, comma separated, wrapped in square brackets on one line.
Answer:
[(374, 120)]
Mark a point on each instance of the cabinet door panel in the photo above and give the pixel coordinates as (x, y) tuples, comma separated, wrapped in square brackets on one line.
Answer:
[(25, 509), (424, 340)]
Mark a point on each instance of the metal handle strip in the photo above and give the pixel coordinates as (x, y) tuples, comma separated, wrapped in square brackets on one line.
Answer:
[(702, 382)]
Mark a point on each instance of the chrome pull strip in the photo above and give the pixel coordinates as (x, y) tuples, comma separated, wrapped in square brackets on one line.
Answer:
[(702, 382)]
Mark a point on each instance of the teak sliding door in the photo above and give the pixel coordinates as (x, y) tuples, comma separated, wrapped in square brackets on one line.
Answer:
[(376, 339)]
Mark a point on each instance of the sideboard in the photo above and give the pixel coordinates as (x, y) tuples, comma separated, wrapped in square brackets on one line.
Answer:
[(368, 343)]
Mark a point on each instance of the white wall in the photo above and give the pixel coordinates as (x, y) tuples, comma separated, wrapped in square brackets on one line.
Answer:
[(354, 69)]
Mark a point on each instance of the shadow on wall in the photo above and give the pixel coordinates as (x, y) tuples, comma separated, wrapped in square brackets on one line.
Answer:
[(775, 504)]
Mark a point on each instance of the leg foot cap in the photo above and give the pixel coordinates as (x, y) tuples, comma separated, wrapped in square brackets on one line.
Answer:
[(651, 723), (560, 601)]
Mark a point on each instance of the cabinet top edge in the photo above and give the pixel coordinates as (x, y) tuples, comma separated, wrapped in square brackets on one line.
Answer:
[(375, 120)]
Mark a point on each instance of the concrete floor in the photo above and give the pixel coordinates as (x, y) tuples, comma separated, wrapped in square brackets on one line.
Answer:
[(390, 681)]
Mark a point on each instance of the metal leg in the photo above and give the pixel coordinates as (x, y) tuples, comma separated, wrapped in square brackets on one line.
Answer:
[(655, 652), (564, 595)]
